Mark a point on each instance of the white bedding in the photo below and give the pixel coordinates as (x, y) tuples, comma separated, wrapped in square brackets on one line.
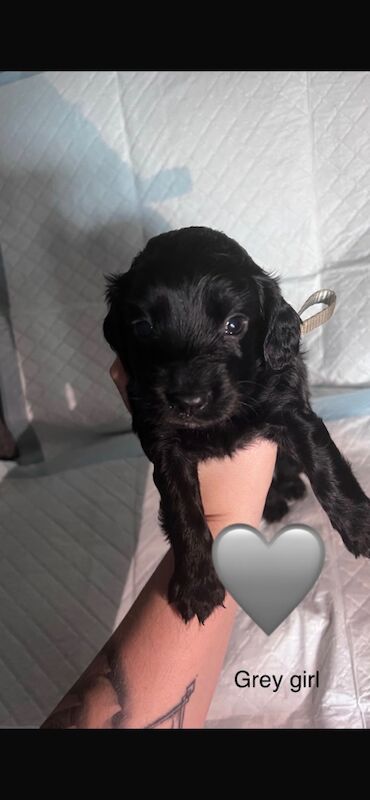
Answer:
[(91, 165)]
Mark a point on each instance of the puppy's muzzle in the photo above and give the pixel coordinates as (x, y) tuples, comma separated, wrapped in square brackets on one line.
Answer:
[(188, 404)]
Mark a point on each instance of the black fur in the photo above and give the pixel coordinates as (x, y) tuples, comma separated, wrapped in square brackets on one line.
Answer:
[(197, 391)]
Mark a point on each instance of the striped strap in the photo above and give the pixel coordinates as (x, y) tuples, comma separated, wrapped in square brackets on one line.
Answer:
[(326, 296)]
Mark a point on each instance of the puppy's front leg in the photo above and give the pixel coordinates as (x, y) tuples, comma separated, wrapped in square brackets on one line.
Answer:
[(194, 587), (332, 480)]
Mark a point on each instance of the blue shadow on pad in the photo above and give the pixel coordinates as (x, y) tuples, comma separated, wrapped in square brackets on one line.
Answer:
[(341, 405)]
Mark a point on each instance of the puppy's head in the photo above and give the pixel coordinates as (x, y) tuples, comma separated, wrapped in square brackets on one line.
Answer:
[(196, 323)]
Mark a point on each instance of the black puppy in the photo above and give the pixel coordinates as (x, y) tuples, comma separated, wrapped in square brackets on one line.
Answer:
[(212, 352)]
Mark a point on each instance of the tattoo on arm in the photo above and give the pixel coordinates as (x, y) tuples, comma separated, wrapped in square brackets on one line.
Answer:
[(176, 715), (100, 699)]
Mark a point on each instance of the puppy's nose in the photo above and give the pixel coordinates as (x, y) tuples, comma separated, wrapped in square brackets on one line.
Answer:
[(188, 403)]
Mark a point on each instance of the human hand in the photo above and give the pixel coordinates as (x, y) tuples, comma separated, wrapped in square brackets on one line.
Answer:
[(120, 378)]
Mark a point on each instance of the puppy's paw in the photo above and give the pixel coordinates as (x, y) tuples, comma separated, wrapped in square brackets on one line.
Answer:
[(197, 597), (293, 489), (356, 533), (276, 508)]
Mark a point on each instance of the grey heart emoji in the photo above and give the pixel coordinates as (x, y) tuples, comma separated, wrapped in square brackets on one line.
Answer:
[(268, 579)]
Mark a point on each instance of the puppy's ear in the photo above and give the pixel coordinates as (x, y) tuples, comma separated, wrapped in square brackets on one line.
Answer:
[(283, 336), (114, 323), (283, 324)]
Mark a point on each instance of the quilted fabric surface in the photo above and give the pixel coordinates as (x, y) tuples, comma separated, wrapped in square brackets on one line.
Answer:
[(91, 165)]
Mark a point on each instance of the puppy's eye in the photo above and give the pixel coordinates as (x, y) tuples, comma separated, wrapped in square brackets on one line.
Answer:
[(142, 328), (236, 325)]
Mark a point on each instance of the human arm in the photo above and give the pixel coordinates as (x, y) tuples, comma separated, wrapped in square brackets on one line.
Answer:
[(155, 670)]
